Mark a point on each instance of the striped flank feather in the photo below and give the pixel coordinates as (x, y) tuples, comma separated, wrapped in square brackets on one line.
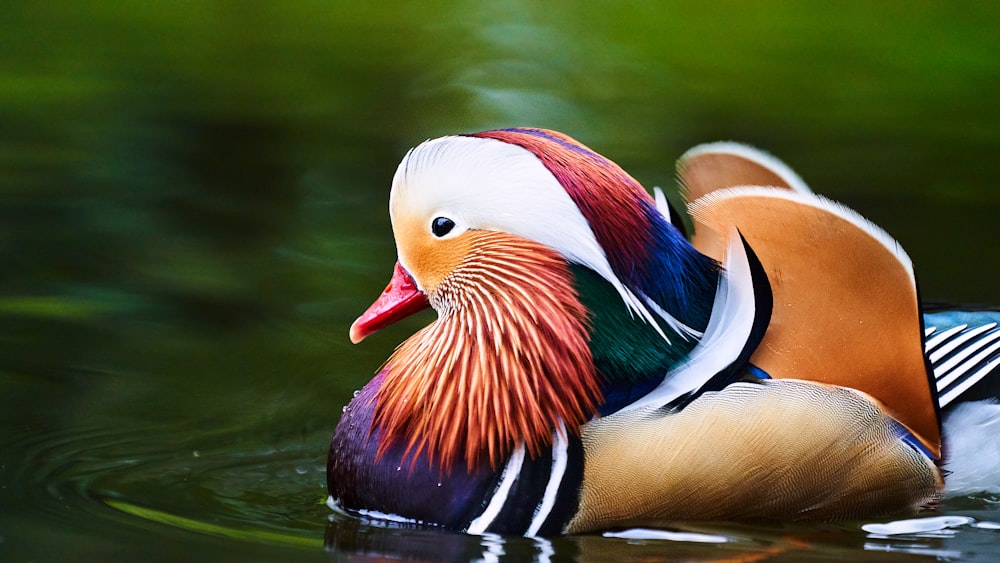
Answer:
[(964, 349)]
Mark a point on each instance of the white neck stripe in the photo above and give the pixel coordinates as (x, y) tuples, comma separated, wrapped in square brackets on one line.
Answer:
[(510, 474), (560, 445)]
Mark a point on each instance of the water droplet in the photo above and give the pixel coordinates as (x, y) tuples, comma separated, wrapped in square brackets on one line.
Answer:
[(343, 409), (358, 392), (195, 453), (439, 484), (301, 470), (398, 467)]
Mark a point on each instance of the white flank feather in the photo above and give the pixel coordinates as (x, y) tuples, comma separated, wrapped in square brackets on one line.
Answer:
[(661, 203), (727, 332), (972, 448)]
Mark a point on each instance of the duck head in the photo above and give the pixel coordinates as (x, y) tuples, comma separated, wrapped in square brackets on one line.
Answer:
[(557, 282)]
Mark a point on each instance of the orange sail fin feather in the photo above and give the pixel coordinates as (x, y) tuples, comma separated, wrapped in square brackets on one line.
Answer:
[(507, 360), (714, 166), (845, 304)]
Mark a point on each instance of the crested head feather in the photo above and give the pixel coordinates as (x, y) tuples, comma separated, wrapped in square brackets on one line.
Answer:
[(487, 184), (613, 202), (661, 273), (493, 183), (506, 362)]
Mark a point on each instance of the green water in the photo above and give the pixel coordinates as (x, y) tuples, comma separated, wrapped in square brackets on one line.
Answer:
[(193, 210)]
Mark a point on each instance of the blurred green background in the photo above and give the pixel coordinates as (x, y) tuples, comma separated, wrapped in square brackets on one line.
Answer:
[(193, 210)]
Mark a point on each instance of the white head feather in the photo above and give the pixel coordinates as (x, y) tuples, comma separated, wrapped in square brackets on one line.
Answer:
[(488, 184)]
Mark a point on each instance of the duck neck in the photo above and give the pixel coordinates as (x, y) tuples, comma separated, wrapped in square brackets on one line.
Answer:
[(630, 354), (678, 278)]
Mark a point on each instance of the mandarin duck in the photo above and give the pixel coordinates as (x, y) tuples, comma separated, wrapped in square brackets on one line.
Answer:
[(590, 368)]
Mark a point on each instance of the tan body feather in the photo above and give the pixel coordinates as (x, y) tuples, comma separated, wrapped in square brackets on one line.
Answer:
[(781, 449)]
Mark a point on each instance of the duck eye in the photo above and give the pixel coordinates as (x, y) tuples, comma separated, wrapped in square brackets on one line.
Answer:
[(441, 226)]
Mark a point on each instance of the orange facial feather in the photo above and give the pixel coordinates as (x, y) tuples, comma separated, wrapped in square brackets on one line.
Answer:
[(506, 361)]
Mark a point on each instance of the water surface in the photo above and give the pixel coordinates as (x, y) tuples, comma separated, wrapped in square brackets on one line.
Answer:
[(193, 210)]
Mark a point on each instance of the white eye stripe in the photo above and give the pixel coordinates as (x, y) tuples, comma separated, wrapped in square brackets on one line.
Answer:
[(492, 185)]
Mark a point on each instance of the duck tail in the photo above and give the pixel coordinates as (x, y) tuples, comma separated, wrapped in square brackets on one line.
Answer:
[(963, 347)]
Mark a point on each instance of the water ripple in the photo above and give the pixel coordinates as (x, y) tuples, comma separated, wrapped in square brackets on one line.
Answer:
[(91, 474)]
